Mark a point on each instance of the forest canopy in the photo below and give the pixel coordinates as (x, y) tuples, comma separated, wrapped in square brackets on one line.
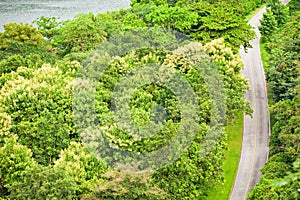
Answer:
[(42, 149)]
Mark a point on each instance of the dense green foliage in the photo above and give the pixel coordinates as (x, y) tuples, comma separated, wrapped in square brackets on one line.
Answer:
[(82, 33), (18, 35), (274, 18), (39, 103), (281, 178), (207, 20), (123, 185), (42, 155)]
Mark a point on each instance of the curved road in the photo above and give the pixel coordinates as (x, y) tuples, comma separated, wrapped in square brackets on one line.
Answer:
[(256, 129)]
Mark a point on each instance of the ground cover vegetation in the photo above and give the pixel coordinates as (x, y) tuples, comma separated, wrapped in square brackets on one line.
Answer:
[(41, 152)]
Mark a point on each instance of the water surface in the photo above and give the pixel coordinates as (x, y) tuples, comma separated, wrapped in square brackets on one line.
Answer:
[(28, 10)]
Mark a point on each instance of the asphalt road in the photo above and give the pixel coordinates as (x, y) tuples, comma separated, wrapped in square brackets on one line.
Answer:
[(256, 131)]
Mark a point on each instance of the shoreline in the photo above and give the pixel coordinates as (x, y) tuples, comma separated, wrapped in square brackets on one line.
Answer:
[(29, 10)]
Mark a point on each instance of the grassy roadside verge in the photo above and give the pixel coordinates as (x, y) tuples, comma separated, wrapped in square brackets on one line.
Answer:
[(264, 55), (232, 157)]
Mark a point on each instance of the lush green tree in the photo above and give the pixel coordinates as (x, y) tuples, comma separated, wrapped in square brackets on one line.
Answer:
[(84, 168), (282, 73), (30, 60), (43, 182), (220, 20), (74, 174), (279, 10), (268, 25), (291, 181), (285, 136), (275, 16), (250, 5), (132, 22), (178, 18), (5, 126), (82, 33), (280, 187), (39, 103), (48, 26), (112, 22), (294, 6), (230, 70), (14, 159), (191, 176), (18, 36), (23, 45), (51, 29)]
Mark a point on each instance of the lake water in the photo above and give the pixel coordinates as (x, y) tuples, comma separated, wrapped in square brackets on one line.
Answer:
[(29, 10)]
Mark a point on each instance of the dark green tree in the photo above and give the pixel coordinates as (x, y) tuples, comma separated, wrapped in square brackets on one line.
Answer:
[(279, 10), (220, 20), (82, 33), (177, 18), (268, 25)]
